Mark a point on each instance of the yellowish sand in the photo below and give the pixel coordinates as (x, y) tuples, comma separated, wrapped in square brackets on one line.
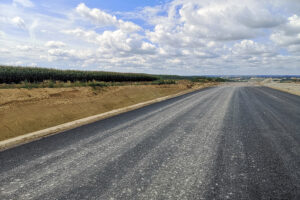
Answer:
[(293, 88), (23, 111)]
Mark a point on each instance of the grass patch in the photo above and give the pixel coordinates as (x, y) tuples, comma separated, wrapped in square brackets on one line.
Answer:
[(209, 79), (57, 84), (163, 82)]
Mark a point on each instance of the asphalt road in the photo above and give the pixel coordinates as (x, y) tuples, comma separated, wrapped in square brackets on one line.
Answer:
[(228, 142)]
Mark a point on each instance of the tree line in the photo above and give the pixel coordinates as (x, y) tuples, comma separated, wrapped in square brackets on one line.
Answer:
[(10, 74)]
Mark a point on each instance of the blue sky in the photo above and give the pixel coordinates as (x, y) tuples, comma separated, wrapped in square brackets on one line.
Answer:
[(167, 37), (115, 5)]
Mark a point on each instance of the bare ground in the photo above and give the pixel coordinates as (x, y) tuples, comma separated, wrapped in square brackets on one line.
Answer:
[(23, 111), (293, 88)]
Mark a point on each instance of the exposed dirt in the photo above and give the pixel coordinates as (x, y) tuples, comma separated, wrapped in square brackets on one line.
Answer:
[(23, 111), (293, 88)]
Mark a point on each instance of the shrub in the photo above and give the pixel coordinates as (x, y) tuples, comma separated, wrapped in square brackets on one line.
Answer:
[(163, 82)]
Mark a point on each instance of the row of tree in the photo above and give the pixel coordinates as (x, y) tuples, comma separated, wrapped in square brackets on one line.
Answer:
[(31, 74)]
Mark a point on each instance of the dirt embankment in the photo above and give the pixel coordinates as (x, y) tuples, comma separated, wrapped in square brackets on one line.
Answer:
[(23, 111)]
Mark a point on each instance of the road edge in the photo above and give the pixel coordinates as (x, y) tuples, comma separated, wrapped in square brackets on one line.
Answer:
[(281, 90), (37, 135)]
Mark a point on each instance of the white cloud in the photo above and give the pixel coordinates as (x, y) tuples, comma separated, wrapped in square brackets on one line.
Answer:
[(97, 16), (23, 47), (146, 46), (4, 51), (283, 39), (89, 36), (288, 35), (104, 19), (55, 44), (249, 47), (258, 18), (214, 20), (2, 34), (115, 43), (61, 52), (19, 62), (32, 28), (68, 54), (19, 22), (24, 3), (181, 36)]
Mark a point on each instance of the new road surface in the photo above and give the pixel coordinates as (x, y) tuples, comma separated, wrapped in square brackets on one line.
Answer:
[(227, 142)]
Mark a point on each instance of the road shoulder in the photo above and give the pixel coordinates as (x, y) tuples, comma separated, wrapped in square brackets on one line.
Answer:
[(36, 135)]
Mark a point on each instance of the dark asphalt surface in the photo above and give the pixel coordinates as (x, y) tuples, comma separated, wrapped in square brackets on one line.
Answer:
[(227, 142)]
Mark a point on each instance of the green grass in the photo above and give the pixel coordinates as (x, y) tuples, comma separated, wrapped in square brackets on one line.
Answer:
[(163, 82), (58, 84), (289, 80), (192, 78), (209, 79)]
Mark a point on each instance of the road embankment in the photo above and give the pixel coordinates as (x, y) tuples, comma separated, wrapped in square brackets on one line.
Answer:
[(27, 114), (292, 88)]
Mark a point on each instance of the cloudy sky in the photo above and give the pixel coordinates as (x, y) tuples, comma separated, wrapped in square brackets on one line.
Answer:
[(153, 36)]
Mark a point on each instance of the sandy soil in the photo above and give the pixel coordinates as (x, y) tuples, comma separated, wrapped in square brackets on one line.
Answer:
[(23, 111), (293, 88)]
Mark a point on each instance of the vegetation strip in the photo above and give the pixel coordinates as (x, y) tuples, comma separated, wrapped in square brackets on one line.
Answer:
[(32, 74)]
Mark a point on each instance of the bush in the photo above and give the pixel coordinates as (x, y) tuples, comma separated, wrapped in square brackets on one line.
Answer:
[(208, 79), (163, 82), (97, 84)]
